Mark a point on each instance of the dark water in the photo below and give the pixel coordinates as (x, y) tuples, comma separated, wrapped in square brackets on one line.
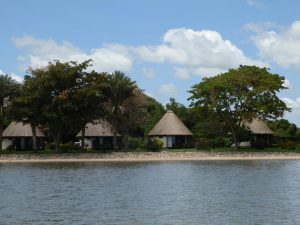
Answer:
[(216, 192)]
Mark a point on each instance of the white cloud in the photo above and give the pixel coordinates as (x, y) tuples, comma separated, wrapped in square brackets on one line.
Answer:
[(148, 72), (291, 103), (169, 90), (282, 47), (182, 73), (40, 52), (14, 76), (255, 3), (204, 52), (287, 84)]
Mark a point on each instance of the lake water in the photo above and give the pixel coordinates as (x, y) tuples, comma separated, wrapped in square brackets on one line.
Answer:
[(202, 192)]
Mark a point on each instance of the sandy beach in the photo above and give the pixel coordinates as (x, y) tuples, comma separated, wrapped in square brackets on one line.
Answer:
[(144, 157)]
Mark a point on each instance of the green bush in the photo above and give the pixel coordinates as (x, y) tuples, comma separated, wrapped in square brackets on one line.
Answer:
[(202, 143), (217, 142), (136, 142), (67, 147), (154, 145), (289, 144)]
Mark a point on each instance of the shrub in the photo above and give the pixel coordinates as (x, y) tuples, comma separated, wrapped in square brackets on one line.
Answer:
[(67, 147), (154, 145), (289, 144), (202, 143), (135, 143), (217, 142)]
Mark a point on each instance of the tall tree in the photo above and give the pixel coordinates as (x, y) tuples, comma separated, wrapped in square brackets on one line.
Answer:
[(57, 86), (26, 108), (89, 100), (9, 89), (119, 91), (241, 95)]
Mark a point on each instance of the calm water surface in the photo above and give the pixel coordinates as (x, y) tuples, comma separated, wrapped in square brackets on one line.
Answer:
[(211, 192)]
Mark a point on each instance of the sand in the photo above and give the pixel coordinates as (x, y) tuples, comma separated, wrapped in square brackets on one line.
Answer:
[(144, 157)]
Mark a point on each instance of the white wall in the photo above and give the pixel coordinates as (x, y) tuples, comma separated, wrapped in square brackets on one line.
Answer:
[(5, 143)]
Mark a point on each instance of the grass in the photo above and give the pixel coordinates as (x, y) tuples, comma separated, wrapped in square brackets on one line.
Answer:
[(213, 150)]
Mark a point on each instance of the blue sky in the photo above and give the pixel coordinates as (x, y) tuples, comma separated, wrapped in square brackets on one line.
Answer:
[(166, 46)]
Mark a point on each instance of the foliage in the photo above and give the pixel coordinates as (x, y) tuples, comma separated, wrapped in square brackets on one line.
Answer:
[(283, 128), (240, 95), (61, 90), (202, 143), (10, 88), (120, 94), (68, 147), (136, 143), (154, 145), (154, 111), (288, 144)]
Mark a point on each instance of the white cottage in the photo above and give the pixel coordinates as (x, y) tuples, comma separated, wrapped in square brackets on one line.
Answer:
[(98, 135), (171, 130), (19, 136)]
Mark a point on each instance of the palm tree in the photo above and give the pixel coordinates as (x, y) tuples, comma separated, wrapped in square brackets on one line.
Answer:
[(10, 88), (119, 91)]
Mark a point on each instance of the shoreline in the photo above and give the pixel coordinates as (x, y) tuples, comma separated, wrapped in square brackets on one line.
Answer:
[(146, 157)]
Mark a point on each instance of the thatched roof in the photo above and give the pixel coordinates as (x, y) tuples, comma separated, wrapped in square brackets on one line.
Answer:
[(99, 128), (258, 126), (170, 124), (18, 129)]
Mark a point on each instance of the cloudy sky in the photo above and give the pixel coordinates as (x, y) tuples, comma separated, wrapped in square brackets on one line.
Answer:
[(165, 45)]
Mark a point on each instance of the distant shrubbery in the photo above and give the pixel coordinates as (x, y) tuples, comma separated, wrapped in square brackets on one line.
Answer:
[(154, 145)]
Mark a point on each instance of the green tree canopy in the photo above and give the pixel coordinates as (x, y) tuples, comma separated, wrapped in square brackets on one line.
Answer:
[(119, 92), (239, 95), (67, 96), (9, 89)]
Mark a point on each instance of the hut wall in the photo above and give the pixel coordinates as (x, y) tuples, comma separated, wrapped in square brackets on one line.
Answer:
[(6, 142)]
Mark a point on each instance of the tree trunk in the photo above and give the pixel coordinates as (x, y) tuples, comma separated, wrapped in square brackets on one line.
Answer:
[(34, 139), (57, 142), (115, 141), (1, 124), (1, 131), (235, 138), (82, 138), (125, 139)]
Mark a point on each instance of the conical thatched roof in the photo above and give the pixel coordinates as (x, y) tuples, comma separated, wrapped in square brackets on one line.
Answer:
[(170, 124), (258, 126), (17, 129), (99, 128)]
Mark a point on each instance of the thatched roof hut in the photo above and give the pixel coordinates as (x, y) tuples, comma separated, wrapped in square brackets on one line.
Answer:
[(261, 134), (258, 126), (99, 128), (18, 129), (19, 136), (169, 125), (172, 132), (98, 135)]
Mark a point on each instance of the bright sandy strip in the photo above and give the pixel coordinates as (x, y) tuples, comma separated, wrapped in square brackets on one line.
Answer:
[(154, 159)]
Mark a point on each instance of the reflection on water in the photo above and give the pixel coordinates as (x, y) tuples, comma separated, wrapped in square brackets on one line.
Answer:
[(204, 192)]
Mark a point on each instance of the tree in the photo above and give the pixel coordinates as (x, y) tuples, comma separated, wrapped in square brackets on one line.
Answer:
[(283, 128), (57, 87), (89, 100), (154, 111), (26, 108), (9, 89), (240, 95), (119, 91)]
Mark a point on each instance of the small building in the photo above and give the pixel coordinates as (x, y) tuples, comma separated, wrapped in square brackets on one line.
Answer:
[(18, 136), (261, 134), (98, 135), (171, 130)]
